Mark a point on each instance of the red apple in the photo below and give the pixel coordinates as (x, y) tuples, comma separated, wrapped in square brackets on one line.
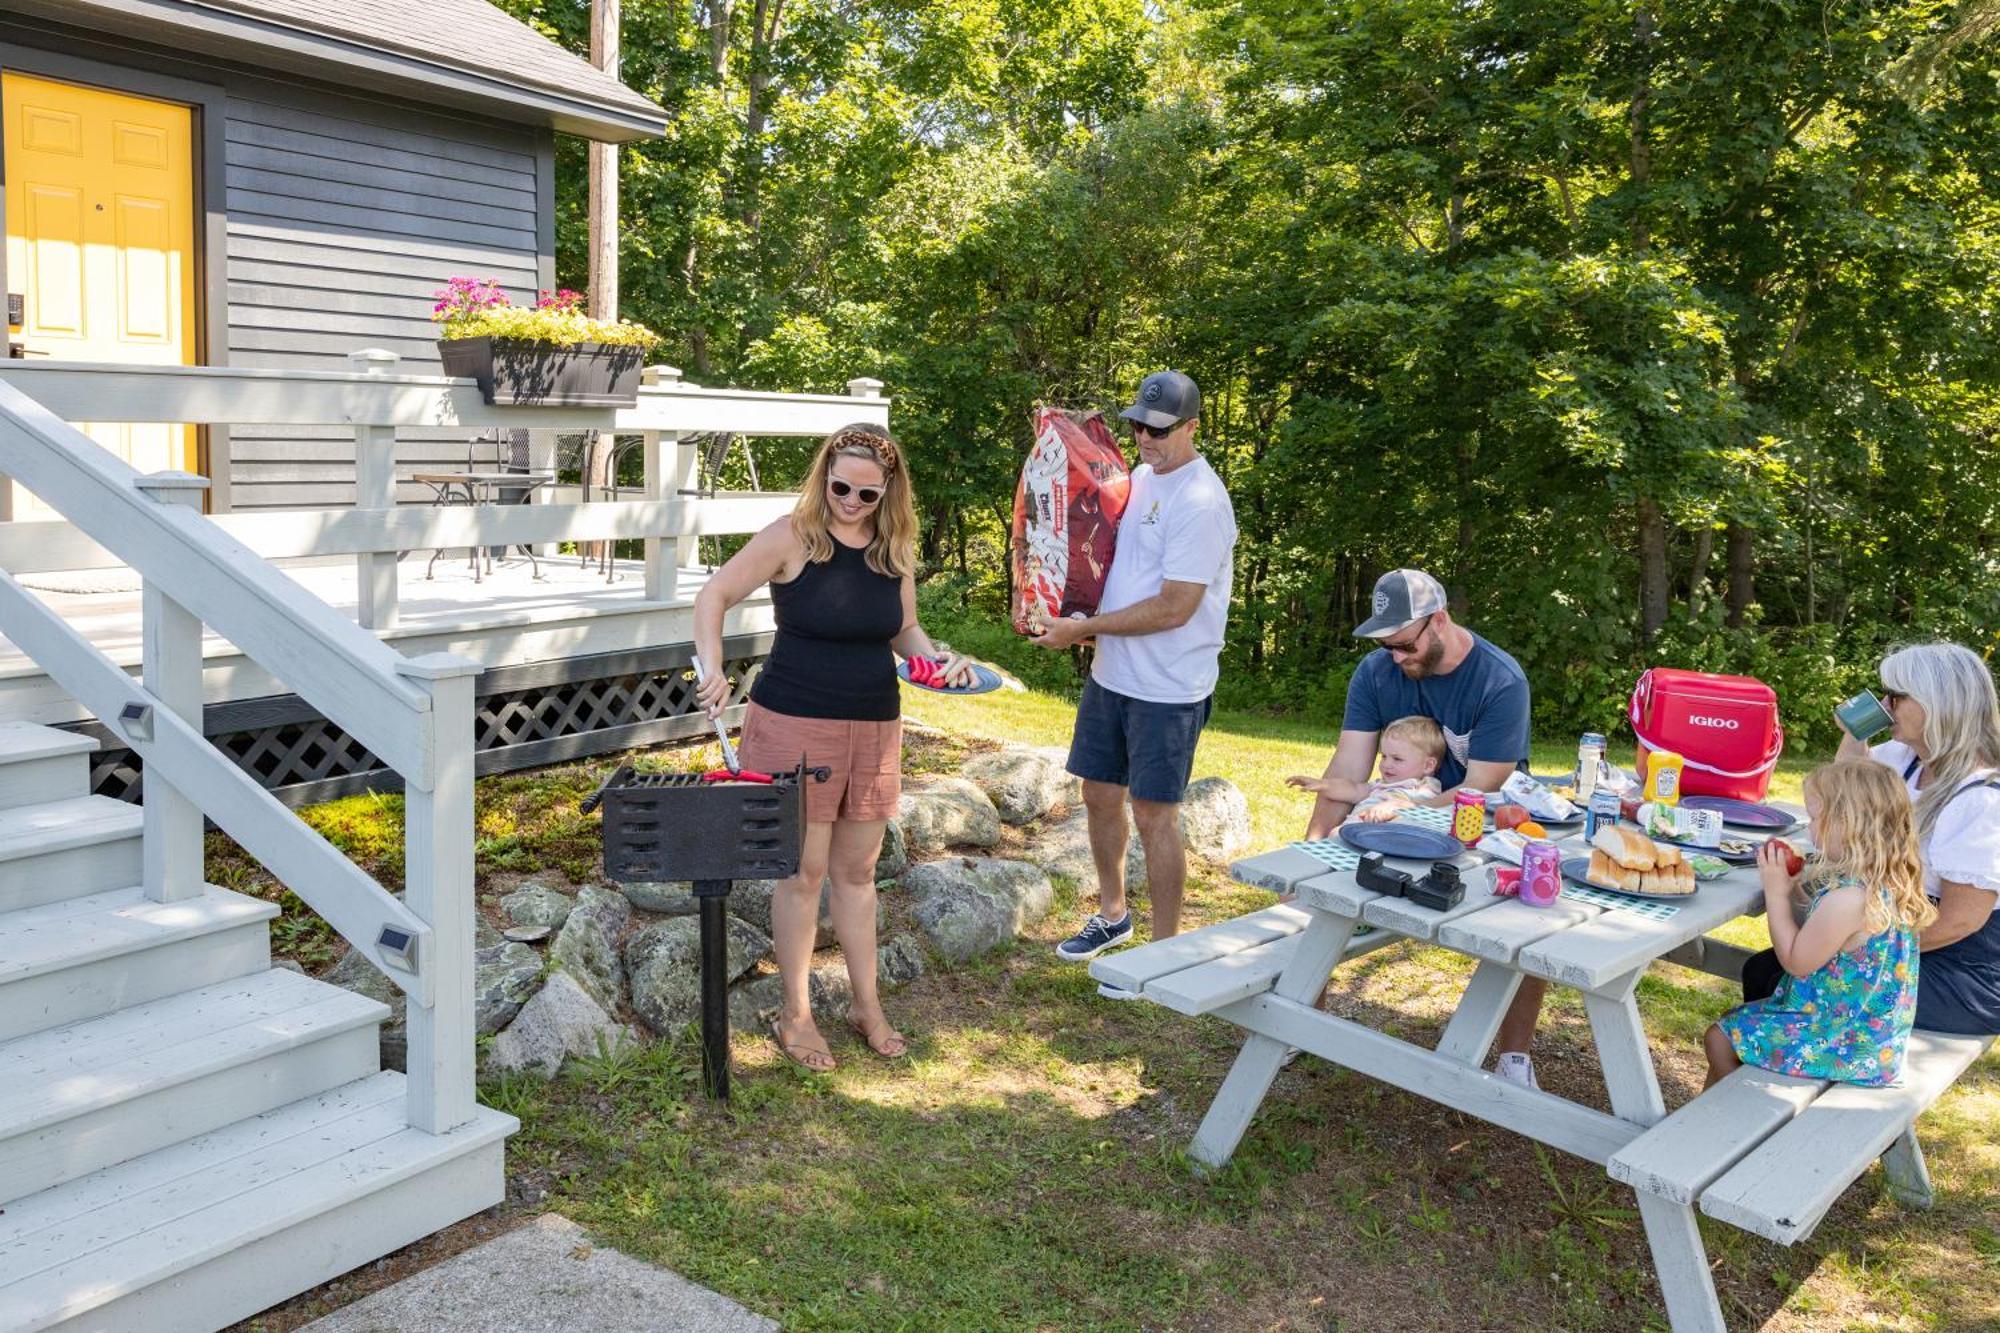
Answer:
[(1794, 863)]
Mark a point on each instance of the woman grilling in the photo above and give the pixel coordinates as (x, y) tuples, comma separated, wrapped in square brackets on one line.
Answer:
[(841, 571)]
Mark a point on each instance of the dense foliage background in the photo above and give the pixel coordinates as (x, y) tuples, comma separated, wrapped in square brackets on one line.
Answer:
[(1661, 334)]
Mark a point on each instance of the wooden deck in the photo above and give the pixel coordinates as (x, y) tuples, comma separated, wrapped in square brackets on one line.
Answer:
[(509, 619)]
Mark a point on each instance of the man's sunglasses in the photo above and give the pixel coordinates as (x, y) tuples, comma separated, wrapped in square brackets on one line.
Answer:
[(1154, 432), (1409, 645), (868, 495)]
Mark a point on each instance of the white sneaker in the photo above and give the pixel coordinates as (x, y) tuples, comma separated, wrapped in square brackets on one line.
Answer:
[(1516, 1067)]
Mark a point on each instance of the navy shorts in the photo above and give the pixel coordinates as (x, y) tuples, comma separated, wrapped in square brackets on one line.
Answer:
[(1145, 747)]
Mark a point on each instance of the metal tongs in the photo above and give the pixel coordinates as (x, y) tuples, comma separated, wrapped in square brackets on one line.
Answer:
[(729, 759)]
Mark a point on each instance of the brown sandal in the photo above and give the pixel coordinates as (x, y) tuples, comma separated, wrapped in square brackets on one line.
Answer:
[(894, 1038), (791, 1051)]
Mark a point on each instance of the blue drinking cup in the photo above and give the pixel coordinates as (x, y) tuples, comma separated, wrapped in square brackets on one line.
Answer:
[(1863, 716)]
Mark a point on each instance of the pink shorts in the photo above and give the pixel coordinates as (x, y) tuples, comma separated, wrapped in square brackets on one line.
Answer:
[(866, 759)]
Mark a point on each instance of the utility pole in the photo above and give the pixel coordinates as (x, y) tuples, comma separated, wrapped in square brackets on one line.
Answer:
[(603, 294)]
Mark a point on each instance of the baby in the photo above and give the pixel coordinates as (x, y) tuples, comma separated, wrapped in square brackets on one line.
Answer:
[(1411, 748)]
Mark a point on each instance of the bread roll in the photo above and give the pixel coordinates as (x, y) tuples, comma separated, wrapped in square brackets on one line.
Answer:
[(1627, 847)]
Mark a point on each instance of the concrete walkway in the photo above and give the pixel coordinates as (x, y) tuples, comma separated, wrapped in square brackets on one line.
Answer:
[(546, 1277)]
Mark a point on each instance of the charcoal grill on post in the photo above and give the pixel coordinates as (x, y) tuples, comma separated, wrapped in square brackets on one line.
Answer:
[(676, 826)]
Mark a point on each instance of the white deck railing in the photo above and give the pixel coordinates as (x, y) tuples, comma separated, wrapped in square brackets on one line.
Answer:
[(415, 714)]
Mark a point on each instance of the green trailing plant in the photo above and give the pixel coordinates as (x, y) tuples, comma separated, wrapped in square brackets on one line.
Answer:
[(478, 308)]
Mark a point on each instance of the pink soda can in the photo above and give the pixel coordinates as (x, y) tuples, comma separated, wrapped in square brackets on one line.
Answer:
[(1468, 816), (1541, 873)]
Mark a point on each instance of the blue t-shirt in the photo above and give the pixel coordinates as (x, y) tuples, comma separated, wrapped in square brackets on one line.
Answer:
[(1482, 706)]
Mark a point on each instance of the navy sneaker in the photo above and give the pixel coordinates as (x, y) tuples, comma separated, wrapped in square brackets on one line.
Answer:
[(1096, 936), (1111, 992)]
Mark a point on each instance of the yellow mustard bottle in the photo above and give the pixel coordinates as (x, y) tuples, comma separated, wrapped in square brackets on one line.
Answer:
[(1663, 777)]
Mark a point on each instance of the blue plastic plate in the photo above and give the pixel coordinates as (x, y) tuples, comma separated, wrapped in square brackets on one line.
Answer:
[(1576, 868), (985, 680), (1742, 814), (1407, 841)]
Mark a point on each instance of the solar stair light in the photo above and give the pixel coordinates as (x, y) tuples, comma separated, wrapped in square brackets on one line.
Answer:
[(399, 948), (136, 721)]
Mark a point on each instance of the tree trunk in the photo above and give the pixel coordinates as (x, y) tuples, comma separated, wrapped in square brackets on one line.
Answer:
[(1739, 542), (766, 21), (1704, 553), (699, 360), (1653, 590), (1638, 116)]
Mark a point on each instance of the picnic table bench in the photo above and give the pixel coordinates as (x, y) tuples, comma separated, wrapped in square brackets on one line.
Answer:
[(1761, 1151)]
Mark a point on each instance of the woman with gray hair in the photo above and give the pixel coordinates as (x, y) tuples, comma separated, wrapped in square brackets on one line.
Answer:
[(1945, 743)]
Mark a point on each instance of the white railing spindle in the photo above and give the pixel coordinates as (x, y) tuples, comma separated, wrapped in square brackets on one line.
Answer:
[(172, 848)]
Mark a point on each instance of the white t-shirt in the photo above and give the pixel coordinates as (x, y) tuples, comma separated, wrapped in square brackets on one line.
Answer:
[(1180, 526), (1964, 847)]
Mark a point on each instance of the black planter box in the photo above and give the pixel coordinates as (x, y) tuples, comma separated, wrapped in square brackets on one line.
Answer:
[(518, 372)]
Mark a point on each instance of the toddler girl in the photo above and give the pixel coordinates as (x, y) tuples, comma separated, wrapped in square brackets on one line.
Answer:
[(1844, 1008), (1411, 750)]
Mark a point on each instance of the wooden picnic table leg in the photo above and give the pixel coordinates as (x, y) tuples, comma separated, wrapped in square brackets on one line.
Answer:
[(1242, 1092), (1480, 1011), (1909, 1178), (1672, 1231)]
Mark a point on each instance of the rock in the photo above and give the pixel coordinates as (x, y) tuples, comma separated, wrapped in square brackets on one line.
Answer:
[(1063, 848), (754, 1004), (1215, 819), (505, 976), (1024, 784), (966, 905), (664, 961), (947, 812), (537, 905), (289, 964), (895, 856), (561, 1021), (667, 899), (526, 934), (587, 948), (899, 962), (752, 902)]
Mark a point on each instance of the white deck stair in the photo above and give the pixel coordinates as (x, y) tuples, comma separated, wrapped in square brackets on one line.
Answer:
[(187, 1135)]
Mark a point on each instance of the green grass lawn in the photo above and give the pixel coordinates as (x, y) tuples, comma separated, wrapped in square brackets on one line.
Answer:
[(1025, 1168)]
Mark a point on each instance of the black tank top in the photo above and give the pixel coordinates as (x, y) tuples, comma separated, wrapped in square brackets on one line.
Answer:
[(831, 658)]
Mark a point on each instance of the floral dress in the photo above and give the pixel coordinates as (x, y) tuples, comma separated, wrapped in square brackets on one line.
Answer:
[(1849, 1021)]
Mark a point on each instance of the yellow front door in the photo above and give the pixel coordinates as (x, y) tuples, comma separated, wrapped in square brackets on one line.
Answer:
[(100, 243)]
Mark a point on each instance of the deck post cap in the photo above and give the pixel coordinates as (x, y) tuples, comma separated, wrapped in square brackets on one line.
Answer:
[(172, 487), (374, 360), (438, 666), (656, 375), (861, 386)]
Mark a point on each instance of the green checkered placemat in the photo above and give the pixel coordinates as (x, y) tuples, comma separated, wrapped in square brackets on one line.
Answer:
[(1331, 852), (1651, 908)]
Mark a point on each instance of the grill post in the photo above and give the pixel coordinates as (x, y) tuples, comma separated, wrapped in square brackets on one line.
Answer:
[(713, 897)]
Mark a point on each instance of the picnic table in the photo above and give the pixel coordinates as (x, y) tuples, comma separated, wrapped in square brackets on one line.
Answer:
[(1264, 973)]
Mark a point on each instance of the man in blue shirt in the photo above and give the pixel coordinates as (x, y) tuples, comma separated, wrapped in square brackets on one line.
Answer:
[(1432, 667)]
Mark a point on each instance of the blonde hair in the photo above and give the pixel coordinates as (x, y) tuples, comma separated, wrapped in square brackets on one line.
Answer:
[(1961, 718), (1865, 808), (1420, 731), (892, 550)]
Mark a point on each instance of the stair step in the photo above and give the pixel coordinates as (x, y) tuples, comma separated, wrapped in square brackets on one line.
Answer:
[(80, 958), (67, 848), (203, 1233), (42, 763), (87, 1095)]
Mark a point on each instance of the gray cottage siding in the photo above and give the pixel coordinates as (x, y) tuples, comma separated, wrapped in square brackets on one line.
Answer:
[(343, 214), (342, 223)]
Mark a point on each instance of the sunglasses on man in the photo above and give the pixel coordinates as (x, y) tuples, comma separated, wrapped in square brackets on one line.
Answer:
[(1154, 432), (868, 495), (1408, 646)]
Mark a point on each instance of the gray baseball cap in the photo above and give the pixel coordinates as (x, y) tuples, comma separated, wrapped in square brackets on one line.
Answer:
[(1166, 398), (1402, 597)]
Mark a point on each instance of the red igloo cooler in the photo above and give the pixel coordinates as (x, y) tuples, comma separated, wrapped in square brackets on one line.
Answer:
[(1726, 727)]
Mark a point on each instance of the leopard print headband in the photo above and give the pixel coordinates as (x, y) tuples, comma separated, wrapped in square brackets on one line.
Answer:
[(867, 444)]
